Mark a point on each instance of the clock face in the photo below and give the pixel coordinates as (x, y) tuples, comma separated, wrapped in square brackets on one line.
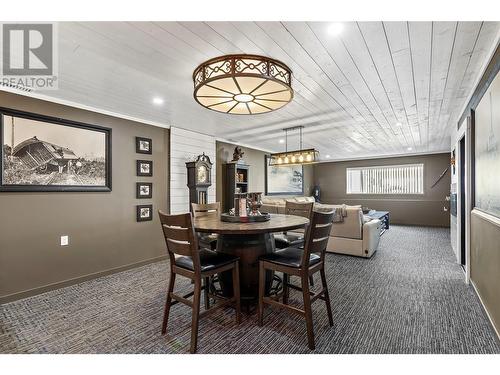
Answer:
[(202, 174)]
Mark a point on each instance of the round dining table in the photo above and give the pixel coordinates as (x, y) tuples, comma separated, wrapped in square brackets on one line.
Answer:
[(248, 241)]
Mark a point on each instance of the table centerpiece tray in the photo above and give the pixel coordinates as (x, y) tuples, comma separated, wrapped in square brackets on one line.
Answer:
[(264, 216)]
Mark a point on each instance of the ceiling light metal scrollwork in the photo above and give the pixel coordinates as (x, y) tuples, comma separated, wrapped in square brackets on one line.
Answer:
[(243, 84)]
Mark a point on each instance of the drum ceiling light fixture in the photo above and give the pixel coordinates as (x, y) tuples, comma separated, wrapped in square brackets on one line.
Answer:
[(243, 84), (300, 156)]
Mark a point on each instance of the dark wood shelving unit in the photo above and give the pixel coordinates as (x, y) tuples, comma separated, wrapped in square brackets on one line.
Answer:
[(235, 177)]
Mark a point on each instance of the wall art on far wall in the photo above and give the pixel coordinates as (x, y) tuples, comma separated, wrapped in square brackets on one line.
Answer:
[(144, 190), (143, 145), (145, 168), (41, 153), (284, 180), (144, 212)]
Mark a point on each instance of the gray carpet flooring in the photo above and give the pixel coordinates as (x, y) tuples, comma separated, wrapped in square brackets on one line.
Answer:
[(408, 298)]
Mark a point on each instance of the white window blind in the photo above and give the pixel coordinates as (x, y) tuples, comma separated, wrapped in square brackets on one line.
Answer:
[(394, 179)]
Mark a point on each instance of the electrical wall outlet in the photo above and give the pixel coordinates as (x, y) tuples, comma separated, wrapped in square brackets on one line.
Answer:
[(64, 240)]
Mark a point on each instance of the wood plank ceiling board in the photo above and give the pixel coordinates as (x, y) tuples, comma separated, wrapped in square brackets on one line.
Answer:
[(420, 38), (313, 45), (443, 40), (399, 46), (487, 34), (380, 56), (328, 94), (344, 59), (465, 41), (377, 88)]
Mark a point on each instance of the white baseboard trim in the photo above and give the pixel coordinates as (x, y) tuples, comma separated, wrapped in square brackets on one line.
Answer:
[(485, 309)]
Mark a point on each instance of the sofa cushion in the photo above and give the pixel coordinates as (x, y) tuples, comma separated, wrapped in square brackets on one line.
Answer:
[(352, 226), (304, 199)]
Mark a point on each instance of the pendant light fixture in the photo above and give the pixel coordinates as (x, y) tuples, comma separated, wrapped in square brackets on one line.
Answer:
[(300, 156), (243, 84)]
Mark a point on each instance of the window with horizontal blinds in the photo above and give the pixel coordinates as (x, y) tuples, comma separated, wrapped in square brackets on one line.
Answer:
[(394, 179)]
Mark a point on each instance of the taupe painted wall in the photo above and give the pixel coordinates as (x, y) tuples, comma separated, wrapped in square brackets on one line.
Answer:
[(104, 234), (256, 160), (426, 209), (485, 262)]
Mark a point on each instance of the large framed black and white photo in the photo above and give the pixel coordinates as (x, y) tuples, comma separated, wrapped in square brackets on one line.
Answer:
[(284, 180), (41, 153)]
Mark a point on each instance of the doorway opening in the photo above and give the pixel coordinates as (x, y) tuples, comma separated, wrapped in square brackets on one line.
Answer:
[(462, 199)]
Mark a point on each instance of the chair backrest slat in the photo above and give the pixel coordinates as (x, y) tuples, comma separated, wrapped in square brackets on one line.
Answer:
[(176, 233), (318, 245), (200, 210), (317, 236), (179, 247), (322, 230), (180, 237)]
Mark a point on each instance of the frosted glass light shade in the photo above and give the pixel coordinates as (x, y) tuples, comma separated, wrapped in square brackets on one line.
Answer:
[(242, 84)]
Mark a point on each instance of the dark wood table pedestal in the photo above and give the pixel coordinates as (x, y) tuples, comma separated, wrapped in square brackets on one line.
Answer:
[(248, 248), (248, 241)]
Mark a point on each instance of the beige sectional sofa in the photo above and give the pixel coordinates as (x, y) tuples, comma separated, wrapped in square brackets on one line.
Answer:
[(357, 235)]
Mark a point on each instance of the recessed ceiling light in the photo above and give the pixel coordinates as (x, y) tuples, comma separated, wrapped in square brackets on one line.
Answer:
[(282, 141), (399, 124), (335, 28), (158, 101), (409, 148), (328, 156)]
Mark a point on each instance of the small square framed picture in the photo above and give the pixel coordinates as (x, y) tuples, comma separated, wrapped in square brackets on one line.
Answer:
[(145, 168), (144, 190), (143, 145), (144, 212)]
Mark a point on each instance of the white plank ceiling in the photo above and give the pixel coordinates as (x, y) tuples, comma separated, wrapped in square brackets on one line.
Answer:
[(377, 88)]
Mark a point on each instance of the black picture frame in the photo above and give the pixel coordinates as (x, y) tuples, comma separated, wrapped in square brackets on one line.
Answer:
[(139, 209), (144, 174), (107, 187), (266, 169), (139, 140), (138, 194)]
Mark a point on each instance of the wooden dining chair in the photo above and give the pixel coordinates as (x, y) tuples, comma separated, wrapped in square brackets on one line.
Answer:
[(188, 260), (204, 209), (302, 263), (207, 240), (295, 239)]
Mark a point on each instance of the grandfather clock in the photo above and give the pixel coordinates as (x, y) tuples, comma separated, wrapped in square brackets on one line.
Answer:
[(198, 179)]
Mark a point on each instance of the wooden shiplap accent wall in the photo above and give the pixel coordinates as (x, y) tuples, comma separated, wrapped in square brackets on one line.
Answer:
[(185, 146)]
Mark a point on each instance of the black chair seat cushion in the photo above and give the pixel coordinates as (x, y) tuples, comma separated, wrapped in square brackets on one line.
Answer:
[(209, 260), (291, 257), (284, 240)]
